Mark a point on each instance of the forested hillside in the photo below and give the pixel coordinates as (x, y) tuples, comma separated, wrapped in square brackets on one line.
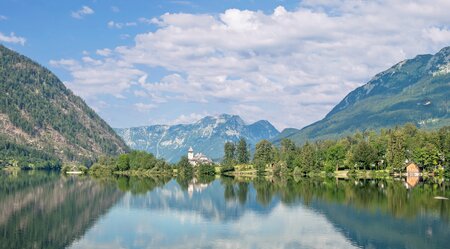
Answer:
[(41, 120), (413, 91)]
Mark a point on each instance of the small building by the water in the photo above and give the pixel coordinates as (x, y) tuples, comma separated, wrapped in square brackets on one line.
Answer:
[(412, 169), (198, 158)]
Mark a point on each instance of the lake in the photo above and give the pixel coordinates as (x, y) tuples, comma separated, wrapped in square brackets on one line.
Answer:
[(45, 210)]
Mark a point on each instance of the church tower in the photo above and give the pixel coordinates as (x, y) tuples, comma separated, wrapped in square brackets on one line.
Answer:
[(190, 153)]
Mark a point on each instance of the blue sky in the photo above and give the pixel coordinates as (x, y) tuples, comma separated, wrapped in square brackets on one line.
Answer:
[(153, 62)]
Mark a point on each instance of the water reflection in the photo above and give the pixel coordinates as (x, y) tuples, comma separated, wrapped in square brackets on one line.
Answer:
[(47, 211), (44, 210), (278, 213)]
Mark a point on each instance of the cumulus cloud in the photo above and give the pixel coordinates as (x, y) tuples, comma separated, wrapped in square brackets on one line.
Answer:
[(295, 65), (84, 11), (92, 77), (12, 38)]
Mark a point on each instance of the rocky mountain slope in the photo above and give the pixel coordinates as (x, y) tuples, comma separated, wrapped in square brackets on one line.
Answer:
[(207, 136), (42, 120), (415, 90)]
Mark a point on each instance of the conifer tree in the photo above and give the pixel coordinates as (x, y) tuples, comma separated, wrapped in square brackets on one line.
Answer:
[(243, 155)]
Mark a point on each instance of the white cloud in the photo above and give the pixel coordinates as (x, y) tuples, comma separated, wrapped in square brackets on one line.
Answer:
[(188, 119), (84, 11), (142, 107), (3, 18), (92, 77), (295, 65), (148, 20), (12, 38), (252, 113), (104, 52), (119, 25), (438, 35)]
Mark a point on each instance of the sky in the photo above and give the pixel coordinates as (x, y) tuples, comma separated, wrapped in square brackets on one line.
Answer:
[(145, 62)]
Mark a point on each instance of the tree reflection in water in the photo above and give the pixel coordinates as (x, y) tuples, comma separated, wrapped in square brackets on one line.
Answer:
[(45, 210)]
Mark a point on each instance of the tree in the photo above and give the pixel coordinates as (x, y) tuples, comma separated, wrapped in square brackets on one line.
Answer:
[(335, 156), (184, 167), (396, 152), (428, 156), (206, 169), (243, 155), (287, 152), (364, 154), (123, 162), (142, 160), (229, 150), (263, 155), (263, 152), (306, 161), (444, 146)]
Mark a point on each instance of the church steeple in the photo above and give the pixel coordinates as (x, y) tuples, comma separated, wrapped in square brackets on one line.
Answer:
[(190, 153)]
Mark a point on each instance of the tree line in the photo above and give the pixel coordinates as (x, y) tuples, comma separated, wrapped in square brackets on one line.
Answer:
[(140, 162), (388, 150)]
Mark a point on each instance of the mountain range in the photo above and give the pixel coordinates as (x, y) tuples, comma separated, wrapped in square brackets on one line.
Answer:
[(415, 90), (207, 136), (41, 120)]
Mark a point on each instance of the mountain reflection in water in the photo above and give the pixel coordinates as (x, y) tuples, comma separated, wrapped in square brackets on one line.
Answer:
[(224, 213), (45, 210)]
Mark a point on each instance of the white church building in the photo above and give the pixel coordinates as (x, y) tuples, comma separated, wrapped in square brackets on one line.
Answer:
[(198, 158)]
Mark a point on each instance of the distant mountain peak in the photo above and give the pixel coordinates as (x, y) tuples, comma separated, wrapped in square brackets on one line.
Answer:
[(222, 118), (207, 136)]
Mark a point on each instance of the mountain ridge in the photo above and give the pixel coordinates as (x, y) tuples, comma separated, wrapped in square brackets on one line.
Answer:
[(415, 90), (207, 135), (39, 115)]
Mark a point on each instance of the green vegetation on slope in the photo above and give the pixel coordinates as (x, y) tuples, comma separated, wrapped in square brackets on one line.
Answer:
[(38, 113), (12, 154), (415, 91)]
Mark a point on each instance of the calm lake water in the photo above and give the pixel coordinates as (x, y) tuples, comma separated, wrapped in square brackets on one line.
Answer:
[(45, 210)]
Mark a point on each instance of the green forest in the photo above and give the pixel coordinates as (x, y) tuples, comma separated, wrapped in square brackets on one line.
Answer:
[(386, 151), (51, 121), (26, 157)]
